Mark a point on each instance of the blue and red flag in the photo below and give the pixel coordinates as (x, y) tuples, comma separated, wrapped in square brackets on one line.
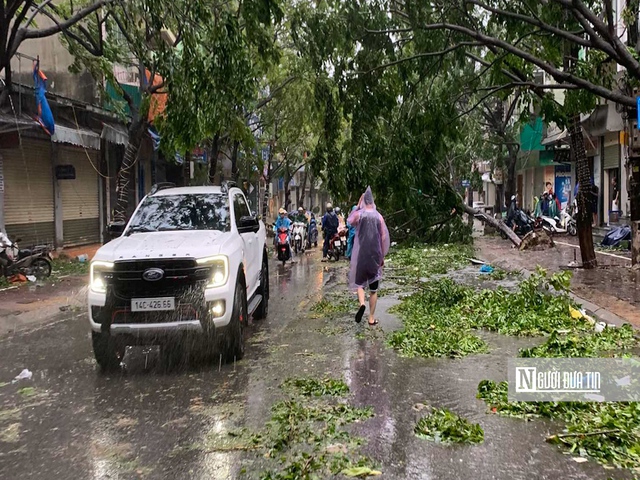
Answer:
[(45, 117)]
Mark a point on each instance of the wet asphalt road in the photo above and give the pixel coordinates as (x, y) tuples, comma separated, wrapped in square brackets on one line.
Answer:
[(73, 422)]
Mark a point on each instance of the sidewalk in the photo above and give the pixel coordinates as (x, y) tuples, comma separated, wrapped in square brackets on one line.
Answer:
[(74, 252), (611, 291)]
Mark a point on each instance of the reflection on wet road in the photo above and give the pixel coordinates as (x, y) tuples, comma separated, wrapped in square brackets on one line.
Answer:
[(71, 422)]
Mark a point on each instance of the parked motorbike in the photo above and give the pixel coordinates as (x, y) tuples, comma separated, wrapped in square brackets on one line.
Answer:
[(563, 224), (312, 238), (35, 261), (299, 233), (521, 225), (282, 245)]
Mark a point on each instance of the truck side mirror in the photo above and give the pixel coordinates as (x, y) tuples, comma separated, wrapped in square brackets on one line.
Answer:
[(248, 225), (115, 229)]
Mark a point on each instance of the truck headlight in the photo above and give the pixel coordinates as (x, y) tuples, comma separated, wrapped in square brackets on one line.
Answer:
[(98, 282), (219, 270)]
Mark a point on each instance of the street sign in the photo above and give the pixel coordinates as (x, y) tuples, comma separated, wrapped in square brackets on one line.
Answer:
[(466, 183)]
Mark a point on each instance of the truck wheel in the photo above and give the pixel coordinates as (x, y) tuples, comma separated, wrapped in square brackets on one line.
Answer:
[(235, 334), (263, 309), (107, 354)]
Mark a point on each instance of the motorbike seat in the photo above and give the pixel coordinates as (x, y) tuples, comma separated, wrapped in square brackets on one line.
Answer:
[(24, 253)]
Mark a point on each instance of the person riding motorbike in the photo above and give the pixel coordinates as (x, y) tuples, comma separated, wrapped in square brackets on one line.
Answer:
[(301, 216), (330, 224), (341, 220), (283, 220)]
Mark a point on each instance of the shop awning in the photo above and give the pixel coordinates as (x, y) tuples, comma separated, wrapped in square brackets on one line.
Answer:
[(114, 133), (604, 119), (555, 137), (76, 136), (13, 123)]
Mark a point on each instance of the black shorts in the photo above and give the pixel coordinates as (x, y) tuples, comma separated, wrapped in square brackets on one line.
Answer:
[(373, 287)]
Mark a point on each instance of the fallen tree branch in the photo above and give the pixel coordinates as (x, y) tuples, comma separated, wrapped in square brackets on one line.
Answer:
[(498, 224), (560, 436)]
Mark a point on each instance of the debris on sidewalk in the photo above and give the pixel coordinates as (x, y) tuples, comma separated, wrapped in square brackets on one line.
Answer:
[(486, 269), (25, 374)]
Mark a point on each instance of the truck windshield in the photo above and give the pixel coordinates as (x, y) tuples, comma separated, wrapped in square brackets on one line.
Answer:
[(182, 212)]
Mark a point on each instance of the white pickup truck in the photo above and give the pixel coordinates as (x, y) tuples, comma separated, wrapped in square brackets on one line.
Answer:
[(185, 273)]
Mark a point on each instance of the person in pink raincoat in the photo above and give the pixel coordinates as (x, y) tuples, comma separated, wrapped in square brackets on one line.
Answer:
[(370, 246)]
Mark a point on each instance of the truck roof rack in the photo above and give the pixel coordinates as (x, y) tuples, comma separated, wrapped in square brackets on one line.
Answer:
[(161, 186)]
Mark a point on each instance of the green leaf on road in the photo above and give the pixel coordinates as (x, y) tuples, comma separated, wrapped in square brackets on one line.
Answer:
[(361, 472)]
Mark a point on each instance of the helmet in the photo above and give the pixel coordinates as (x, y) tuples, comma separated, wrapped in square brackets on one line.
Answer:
[(337, 209), (329, 206), (300, 209), (513, 197), (282, 211)]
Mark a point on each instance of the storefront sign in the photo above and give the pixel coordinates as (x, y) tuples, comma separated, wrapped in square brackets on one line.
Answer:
[(65, 172), (563, 184)]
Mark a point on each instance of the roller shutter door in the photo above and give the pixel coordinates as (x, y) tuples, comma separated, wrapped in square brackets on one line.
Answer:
[(611, 157), (80, 197), (28, 195)]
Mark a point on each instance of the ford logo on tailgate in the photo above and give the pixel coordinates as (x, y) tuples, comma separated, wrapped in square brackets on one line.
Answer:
[(153, 274)]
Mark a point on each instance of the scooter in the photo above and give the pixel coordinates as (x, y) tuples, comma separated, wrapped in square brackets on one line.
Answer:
[(344, 237), (312, 238), (522, 224), (563, 224), (335, 247), (282, 245), (299, 232), (35, 262)]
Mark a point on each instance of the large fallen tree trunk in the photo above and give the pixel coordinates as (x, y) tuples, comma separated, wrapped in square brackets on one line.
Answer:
[(497, 224)]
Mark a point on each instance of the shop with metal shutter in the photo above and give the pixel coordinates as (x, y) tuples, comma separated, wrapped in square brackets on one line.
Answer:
[(79, 195), (28, 192)]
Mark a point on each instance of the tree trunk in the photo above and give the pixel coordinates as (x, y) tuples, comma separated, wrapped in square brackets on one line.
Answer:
[(287, 189), (213, 159), (124, 174), (584, 215), (234, 161), (510, 188), (304, 187), (312, 191), (8, 84), (498, 224)]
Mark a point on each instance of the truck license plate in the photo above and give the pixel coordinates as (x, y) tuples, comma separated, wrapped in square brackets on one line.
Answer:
[(337, 243), (153, 304)]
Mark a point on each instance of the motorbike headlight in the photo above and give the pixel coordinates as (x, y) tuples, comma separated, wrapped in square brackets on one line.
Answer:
[(98, 272), (219, 270)]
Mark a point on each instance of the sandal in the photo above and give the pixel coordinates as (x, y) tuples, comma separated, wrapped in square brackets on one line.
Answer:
[(375, 322), (360, 314)]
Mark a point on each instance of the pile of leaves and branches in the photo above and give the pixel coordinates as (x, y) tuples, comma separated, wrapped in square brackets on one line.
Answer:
[(420, 261), (607, 432), (306, 433), (439, 319), (335, 305), (444, 426)]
